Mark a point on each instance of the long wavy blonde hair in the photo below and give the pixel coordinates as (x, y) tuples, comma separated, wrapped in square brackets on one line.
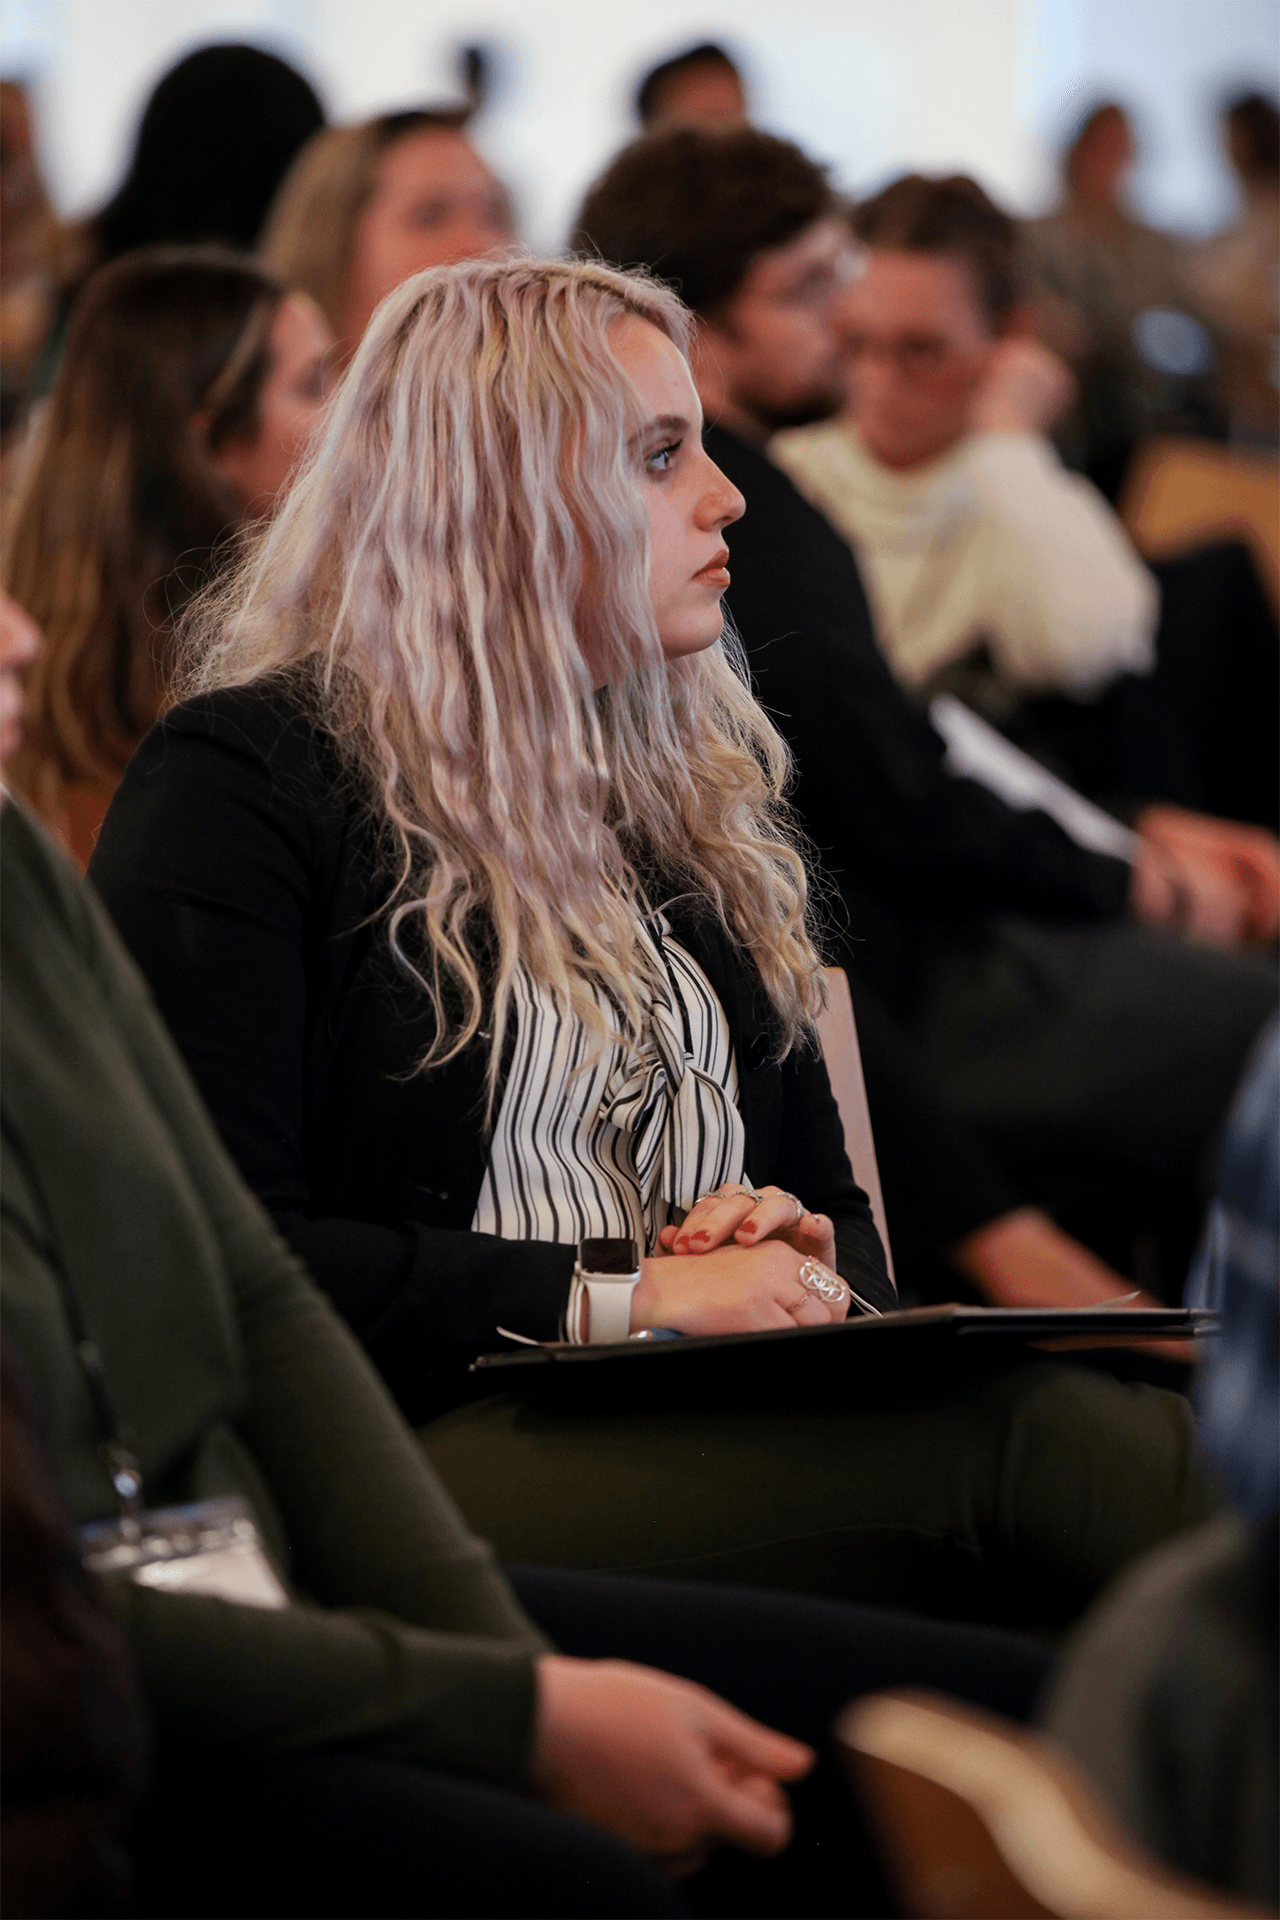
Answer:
[(468, 531)]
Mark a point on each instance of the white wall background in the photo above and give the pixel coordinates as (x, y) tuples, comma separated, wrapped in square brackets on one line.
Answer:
[(870, 85)]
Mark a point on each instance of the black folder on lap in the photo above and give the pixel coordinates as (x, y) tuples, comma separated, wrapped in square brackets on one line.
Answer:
[(856, 1359)]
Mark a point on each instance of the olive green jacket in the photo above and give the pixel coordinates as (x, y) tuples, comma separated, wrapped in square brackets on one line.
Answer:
[(231, 1375)]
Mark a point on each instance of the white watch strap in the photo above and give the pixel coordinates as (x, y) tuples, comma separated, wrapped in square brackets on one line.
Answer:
[(608, 1308)]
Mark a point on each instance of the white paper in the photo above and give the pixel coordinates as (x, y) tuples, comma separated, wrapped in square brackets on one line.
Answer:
[(975, 751)]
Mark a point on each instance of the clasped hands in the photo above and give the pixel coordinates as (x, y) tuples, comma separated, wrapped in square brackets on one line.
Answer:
[(744, 1260), (1214, 879)]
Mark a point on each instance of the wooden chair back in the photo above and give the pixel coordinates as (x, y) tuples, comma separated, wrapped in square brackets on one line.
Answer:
[(979, 1820), (1180, 494), (838, 1035)]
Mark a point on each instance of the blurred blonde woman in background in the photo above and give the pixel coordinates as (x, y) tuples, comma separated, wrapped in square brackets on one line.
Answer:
[(191, 384), (363, 207)]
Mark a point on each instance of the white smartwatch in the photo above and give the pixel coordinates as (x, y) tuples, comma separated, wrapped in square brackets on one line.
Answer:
[(605, 1277)]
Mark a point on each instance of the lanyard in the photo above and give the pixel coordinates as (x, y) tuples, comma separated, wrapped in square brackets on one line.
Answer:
[(120, 1461)]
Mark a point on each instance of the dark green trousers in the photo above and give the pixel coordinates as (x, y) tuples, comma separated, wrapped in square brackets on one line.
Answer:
[(1012, 1495)]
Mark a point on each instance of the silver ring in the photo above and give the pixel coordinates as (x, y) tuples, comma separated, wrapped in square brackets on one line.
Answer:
[(748, 1193), (815, 1278)]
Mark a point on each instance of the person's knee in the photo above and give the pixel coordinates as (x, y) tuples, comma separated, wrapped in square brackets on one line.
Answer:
[(1096, 1471)]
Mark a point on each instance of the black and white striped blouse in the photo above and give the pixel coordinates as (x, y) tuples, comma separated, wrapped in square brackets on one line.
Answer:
[(626, 1144)]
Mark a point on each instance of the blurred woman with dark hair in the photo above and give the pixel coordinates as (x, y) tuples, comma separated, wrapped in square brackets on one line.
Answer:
[(190, 386), (214, 142), (363, 207)]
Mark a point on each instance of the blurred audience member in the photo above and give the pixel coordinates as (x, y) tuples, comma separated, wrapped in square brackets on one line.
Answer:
[(1168, 1696), (1104, 264), (1237, 1275), (365, 206), (190, 386), (1086, 1053), (1236, 277), (75, 1733), (960, 1229), (32, 246), (996, 575), (213, 144), (699, 88), (1095, 269), (967, 529)]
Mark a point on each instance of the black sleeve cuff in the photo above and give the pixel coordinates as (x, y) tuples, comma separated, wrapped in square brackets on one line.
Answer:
[(425, 1300)]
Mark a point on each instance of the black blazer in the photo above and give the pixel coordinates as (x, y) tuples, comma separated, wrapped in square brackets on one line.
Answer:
[(920, 857), (246, 879)]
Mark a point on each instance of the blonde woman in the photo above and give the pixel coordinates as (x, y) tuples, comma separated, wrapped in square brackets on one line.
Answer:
[(463, 878), (365, 206)]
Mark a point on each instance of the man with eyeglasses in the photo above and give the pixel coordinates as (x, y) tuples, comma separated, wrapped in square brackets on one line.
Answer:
[(1088, 1059)]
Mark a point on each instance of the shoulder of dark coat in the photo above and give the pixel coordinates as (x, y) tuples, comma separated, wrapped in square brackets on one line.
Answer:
[(268, 723)]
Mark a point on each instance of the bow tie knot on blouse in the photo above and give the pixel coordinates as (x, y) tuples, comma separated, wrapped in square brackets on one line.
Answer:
[(628, 1143)]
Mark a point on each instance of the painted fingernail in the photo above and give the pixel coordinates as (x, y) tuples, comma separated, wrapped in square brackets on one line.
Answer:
[(704, 1235), (751, 1226)]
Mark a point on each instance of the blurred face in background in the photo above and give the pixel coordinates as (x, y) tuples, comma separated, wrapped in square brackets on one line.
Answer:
[(434, 201), (775, 347), (917, 345), (1101, 158), (301, 356), (708, 95)]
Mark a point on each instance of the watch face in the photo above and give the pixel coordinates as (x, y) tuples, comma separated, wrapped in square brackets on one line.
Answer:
[(608, 1256)]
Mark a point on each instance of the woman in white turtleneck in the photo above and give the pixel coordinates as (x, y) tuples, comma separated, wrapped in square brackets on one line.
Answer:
[(967, 529)]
